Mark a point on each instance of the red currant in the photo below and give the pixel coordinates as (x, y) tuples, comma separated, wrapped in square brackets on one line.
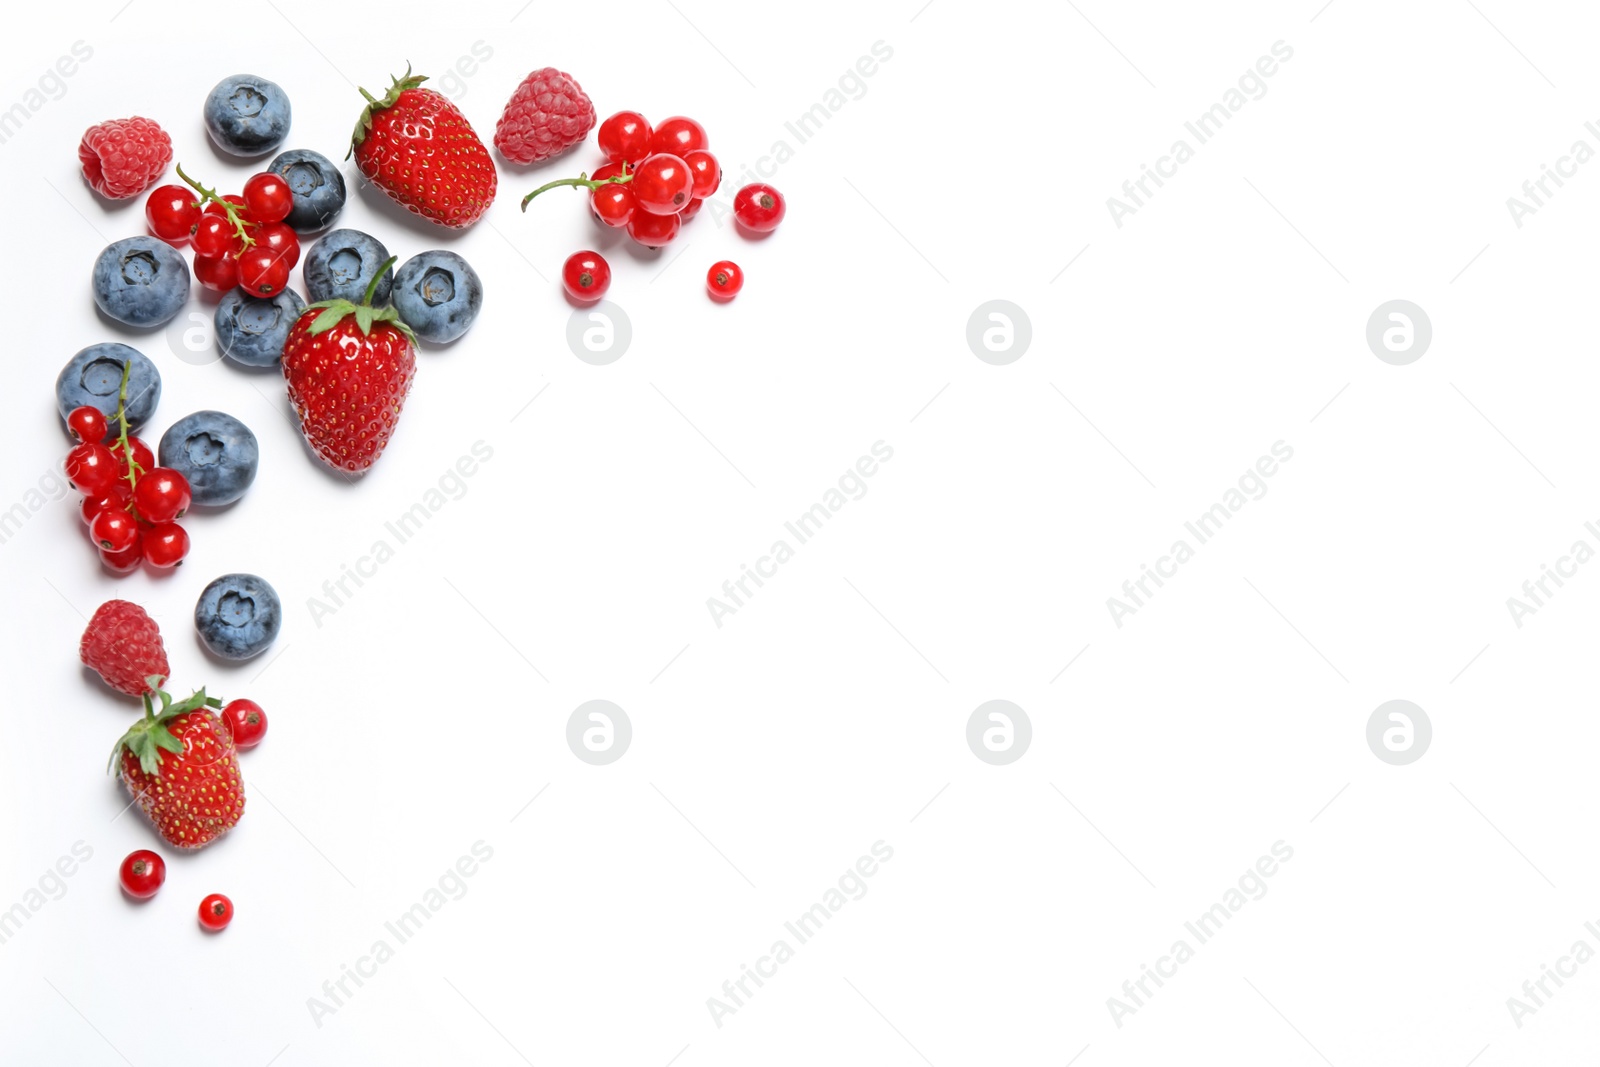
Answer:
[(691, 211), (142, 873), (263, 272), (216, 912), (758, 208), (217, 273), (91, 468), (141, 455), (161, 495), (653, 231), (281, 239), (613, 205), (586, 276), (607, 171), (705, 170), (164, 545), (118, 497), (171, 212), (241, 208), (246, 721), (678, 135), (267, 197), (124, 562), (725, 279), (211, 237), (87, 424), (625, 136), (663, 185), (114, 531)]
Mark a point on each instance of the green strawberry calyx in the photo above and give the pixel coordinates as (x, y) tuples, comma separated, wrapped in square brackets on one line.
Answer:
[(338, 309), (364, 123), (147, 737)]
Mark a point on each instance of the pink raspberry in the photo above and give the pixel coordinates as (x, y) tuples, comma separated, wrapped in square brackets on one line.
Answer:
[(124, 157), (548, 114)]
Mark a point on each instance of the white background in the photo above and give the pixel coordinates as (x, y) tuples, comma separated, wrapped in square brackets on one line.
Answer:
[(830, 712)]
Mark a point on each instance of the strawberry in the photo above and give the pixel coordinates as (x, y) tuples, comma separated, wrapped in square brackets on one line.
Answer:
[(123, 646), (181, 767), (349, 368), (415, 145)]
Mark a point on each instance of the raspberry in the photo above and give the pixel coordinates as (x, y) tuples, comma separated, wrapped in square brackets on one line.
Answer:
[(548, 114), (124, 157), (123, 645)]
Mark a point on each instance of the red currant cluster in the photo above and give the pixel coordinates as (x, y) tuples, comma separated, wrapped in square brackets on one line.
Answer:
[(654, 180), (130, 505), (237, 240)]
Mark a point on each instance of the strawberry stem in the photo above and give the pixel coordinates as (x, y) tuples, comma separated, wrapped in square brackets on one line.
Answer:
[(581, 181), (229, 209)]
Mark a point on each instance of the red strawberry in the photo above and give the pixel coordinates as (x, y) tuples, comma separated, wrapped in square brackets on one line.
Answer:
[(415, 145), (123, 646), (548, 114), (181, 767), (349, 368)]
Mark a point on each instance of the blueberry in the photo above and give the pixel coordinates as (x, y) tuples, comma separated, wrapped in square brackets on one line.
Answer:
[(93, 377), (342, 265), (238, 616), (246, 115), (217, 454), (316, 184), (438, 295), (141, 281), (252, 329)]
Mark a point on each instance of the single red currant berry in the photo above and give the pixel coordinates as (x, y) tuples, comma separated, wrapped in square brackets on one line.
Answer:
[(114, 531), (216, 912), (247, 722), (263, 272), (678, 135), (171, 213), (142, 873), (267, 197), (759, 208), (91, 468), (586, 276), (653, 231), (142, 456), (663, 185), (161, 495), (613, 205), (209, 236), (217, 273), (607, 171), (725, 279), (87, 424), (691, 211), (164, 545), (240, 207), (124, 562), (705, 170), (625, 136), (118, 497), (281, 239)]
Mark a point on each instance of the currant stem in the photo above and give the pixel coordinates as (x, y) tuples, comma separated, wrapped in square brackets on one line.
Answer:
[(239, 228), (581, 181)]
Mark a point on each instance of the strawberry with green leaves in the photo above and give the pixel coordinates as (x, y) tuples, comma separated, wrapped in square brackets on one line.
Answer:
[(181, 767), (415, 145), (349, 369)]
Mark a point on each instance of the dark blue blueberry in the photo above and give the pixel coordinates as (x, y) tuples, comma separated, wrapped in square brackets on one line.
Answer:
[(342, 264), (246, 115), (94, 376), (438, 295), (141, 281), (217, 454), (252, 329), (238, 616), (317, 185)]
